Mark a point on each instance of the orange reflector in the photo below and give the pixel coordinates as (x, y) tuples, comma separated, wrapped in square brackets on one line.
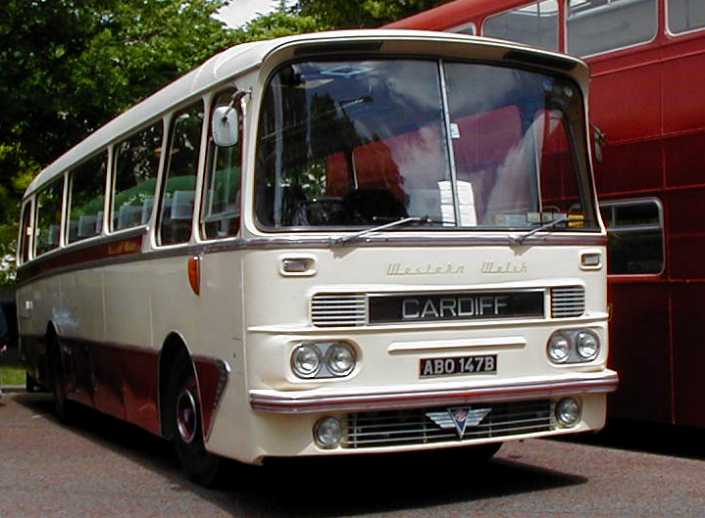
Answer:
[(194, 274)]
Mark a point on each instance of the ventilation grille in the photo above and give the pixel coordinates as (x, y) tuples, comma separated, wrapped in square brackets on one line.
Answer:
[(421, 426), (339, 310), (567, 302)]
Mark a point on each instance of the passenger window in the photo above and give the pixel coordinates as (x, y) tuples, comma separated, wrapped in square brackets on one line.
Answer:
[(535, 24), (596, 26), (467, 28), (221, 204), (136, 167), (635, 232), (685, 15), (180, 176), (87, 198), (49, 217), (25, 232)]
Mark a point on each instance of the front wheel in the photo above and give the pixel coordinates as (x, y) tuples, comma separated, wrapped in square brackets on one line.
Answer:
[(185, 415)]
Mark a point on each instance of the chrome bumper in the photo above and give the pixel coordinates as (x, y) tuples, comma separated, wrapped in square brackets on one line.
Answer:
[(315, 401)]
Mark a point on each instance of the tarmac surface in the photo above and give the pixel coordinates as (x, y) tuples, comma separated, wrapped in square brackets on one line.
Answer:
[(103, 467)]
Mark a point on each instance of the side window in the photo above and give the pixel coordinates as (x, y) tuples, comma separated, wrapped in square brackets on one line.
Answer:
[(595, 26), (685, 15), (25, 233), (180, 176), (467, 28), (535, 24), (86, 199), (49, 217), (136, 166), (221, 200), (635, 232)]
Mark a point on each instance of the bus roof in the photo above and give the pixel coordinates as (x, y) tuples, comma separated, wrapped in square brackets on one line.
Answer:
[(460, 10), (229, 63)]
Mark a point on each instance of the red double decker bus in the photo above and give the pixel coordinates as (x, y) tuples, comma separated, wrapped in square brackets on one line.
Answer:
[(647, 60)]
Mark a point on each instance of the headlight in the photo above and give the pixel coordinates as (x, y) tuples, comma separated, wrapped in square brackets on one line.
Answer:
[(306, 361), (587, 345), (340, 359), (558, 348), (328, 432), (573, 346), (568, 412)]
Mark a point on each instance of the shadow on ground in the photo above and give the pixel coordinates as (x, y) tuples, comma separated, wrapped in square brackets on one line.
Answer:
[(324, 487), (659, 439)]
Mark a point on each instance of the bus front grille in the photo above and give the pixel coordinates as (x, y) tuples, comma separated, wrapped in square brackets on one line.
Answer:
[(339, 310), (567, 301), (435, 425)]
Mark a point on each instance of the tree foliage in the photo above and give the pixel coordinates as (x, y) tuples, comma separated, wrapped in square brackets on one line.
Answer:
[(354, 14), (69, 66)]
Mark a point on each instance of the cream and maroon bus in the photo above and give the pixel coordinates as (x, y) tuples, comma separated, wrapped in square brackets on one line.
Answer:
[(339, 243)]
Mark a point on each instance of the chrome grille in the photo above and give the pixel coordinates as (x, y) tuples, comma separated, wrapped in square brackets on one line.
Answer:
[(403, 427), (567, 301), (339, 310)]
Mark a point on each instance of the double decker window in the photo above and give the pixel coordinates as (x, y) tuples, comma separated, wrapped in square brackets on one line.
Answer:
[(87, 188), (535, 24), (136, 166), (596, 26), (685, 15), (180, 176), (635, 232), (49, 201)]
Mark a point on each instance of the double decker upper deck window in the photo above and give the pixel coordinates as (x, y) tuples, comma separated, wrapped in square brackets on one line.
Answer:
[(49, 202), (180, 176), (87, 188), (136, 165), (596, 26), (685, 15), (535, 24)]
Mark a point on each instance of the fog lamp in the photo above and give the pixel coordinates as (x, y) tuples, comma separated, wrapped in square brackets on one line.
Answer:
[(306, 361), (328, 432), (587, 345), (558, 348), (340, 359), (568, 412)]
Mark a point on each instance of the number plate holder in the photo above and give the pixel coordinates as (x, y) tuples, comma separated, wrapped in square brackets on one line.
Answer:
[(458, 365)]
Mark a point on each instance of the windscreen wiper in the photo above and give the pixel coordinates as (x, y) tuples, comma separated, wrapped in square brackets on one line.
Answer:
[(398, 223), (518, 240)]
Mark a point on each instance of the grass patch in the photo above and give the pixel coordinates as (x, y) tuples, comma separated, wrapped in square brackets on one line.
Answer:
[(11, 376)]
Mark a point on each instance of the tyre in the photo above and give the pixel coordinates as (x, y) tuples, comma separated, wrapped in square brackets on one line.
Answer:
[(186, 428), (31, 384), (62, 407)]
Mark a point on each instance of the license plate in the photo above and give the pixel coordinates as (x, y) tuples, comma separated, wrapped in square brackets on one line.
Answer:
[(458, 365)]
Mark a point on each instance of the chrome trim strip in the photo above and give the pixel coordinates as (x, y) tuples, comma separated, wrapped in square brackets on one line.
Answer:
[(267, 401)]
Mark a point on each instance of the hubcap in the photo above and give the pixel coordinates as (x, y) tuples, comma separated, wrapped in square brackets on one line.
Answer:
[(186, 415)]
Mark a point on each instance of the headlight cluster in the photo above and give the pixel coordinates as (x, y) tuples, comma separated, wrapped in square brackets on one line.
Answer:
[(323, 360), (573, 346)]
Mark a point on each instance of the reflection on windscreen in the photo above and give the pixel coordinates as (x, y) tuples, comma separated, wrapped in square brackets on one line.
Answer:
[(353, 144)]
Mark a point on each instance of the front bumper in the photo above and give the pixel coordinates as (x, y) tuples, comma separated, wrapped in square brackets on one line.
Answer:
[(318, 401)]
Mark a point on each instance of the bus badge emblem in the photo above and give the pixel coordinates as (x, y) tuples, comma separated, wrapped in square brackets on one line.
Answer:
[(459, 418)]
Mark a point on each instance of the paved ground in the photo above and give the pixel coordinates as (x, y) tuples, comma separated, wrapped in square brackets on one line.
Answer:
[(103, 467)]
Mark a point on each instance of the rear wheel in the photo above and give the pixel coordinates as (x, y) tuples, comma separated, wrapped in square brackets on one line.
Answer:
[(62, 407), (186, 429)]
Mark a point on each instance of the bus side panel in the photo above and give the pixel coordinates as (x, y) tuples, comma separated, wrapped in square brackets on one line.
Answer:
[(639, 353), (689, 354), (220, 319)]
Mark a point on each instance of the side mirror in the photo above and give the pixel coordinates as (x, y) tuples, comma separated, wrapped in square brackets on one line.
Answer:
[(225, 126)]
